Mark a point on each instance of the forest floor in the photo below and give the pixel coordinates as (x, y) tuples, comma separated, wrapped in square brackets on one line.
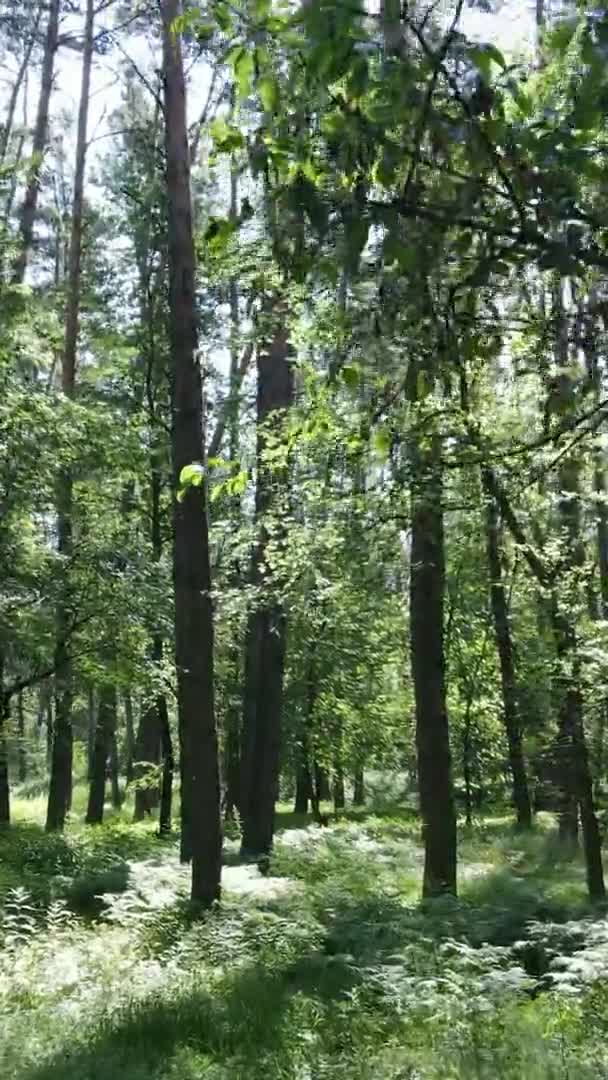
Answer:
[(328, 967)]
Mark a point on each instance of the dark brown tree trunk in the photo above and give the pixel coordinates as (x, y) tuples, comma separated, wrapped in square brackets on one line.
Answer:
[(191, 567), (322, 782), (303, 785), (115, 769), (5, 715), (30, 201), (21, 751), (232, 755), (129, 737), (147, 758), (60, 789), (5, 807), (504, 645), (266, 630), (91, 727), (467, 764), (338, 787), (166, 787), (427, 588), (104, 734), (359, 787)]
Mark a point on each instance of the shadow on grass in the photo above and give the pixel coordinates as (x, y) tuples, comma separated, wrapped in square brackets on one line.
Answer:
[(242, 1022)]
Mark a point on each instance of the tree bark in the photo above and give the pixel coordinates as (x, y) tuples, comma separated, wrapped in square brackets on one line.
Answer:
[(5, 713), (147, 756), (303, 785), (30, 201), (115, 768), (21, 751), (129, 737), (5, 807), (266, 630), (359, 787), (338, 787), (104, 733), (191, 567), (504, 645), (7, 127), (60, 789), (427, 588), (91, 726), (166, 788)]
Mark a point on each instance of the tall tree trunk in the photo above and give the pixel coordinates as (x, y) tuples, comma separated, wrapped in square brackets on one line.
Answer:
[(303, 785), (115, 769), (191, 567), (338, 787), (5, 715), (104, 734), (60, 789), (427, 588), (21, 751), (30, 201), (266, 630), (5, 810), (232, 735), (504, 645), (166, 787), (91, 726), (7, 127), (576, 774), (359, 787), (129, 736), (147, 757)]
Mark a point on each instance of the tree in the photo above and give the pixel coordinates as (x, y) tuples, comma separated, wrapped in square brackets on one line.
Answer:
[(191, 568), (60, 788)]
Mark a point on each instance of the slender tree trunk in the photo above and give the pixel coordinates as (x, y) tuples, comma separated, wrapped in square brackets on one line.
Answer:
[(104, 734), (191, 568), (115, 769), (60, 790), (147, 757), (338, 787), (21, 751), (233, 717), (427, 588), (91, 726), (504, 644), (129, 737), (7, 127), (166, 789), (5, 810), (266, 630), (467, 764), (577, 780), (303, 785), (30, 201), (5, 714), (359, 787)]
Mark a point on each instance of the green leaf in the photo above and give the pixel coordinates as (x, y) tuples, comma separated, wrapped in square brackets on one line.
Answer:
[(190, 476), (269, 93), (382, 441), (244, 67), (226, 137), (560, 37)]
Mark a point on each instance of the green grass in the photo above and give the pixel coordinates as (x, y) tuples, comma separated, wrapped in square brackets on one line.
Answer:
[(345, 974)]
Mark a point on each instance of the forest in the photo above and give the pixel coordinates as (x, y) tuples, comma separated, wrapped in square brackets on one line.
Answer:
[(303, 540)]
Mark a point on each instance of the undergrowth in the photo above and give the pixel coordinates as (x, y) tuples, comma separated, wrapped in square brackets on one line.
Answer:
[(327, 967)]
